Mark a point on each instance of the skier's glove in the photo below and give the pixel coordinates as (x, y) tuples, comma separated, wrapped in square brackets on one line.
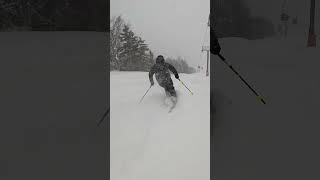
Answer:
[(152, 83), (176, 76)]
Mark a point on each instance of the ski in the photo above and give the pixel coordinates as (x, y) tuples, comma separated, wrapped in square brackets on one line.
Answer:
[(173, 105)]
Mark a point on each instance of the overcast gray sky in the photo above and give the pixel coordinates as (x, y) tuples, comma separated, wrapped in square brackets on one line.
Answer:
[(170, 27), (177, 27)]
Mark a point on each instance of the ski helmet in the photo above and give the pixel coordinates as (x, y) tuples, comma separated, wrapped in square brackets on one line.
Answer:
[(160, 59)]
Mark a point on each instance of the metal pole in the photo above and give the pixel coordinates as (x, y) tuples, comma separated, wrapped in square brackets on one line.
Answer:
[(257, 95), (186, 87), (312, 36), (208, 50), (207, 63), (144, 94), (104, 116)]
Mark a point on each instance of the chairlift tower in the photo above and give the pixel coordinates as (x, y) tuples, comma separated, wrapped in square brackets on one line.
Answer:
[(207, 49), (284, 17)]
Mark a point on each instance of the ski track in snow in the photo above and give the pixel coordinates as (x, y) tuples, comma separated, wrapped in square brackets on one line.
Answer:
[(147, 142)]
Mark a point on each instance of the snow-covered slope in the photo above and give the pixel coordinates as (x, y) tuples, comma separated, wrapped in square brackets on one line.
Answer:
[(255, 141), (147, 142), (54, 88)]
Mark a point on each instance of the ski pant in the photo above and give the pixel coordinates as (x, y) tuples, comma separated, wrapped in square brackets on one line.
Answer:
[(170, 91), (168, 87)]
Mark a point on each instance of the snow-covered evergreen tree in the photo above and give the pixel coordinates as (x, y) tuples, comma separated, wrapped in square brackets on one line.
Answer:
[(116, 27), (134, 53)]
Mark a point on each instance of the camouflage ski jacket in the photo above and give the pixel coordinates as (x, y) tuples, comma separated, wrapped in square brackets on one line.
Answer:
[(161, 71)]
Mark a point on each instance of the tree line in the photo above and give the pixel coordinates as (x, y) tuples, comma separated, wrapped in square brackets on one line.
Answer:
[(130, 52), (181, 65), (53, 15)]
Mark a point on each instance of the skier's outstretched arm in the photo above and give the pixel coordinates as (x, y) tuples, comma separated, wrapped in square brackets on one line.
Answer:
[(173, 70), (151, 72)]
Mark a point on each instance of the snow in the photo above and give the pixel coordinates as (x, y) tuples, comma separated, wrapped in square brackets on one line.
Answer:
[(272, 141), (147, 142), (54, 89)]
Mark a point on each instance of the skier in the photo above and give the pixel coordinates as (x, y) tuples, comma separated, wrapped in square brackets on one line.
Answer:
[(163, 77)]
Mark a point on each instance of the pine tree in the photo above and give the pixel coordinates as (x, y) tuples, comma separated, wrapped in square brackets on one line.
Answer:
[(143, 54), (115, 42), (127, 39), (149, 61), (134, 52)]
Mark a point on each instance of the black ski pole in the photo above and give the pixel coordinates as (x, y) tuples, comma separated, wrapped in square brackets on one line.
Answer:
[(186, 87), (145, 94), (258, 96), (103, 117)]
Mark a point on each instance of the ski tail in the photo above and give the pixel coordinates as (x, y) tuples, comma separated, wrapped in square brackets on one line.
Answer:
[(174, 101)]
